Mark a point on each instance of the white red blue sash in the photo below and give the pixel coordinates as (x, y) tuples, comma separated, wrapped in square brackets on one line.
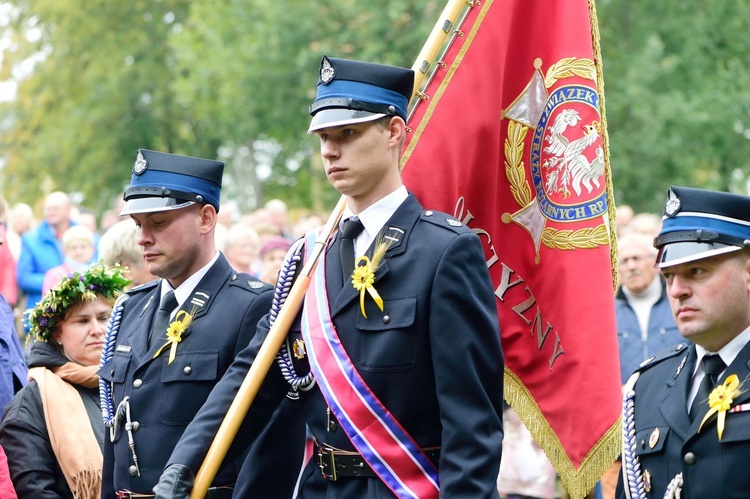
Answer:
[(378, 437)]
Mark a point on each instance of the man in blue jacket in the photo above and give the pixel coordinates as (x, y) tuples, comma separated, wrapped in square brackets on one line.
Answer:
[(177, 335), (41, 248), (645, 324)]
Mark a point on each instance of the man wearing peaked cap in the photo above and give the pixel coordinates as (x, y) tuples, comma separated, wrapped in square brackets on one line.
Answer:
[(690, 405), (357, 92), (396, 355), (163, 181), (153, 384)]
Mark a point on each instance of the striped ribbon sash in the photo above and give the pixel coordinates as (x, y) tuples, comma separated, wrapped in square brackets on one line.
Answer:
[(378, 437)]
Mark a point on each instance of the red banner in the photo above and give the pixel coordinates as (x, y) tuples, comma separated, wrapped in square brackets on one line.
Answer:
[(511, 140)]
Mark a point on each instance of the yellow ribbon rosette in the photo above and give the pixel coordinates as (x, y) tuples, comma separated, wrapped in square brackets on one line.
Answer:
[(363, 276), (179, 325), (363, 279), (720, 401)]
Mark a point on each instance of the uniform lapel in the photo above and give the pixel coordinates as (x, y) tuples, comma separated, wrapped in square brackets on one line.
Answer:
[(199, 301), (396, 232), (741, 367), (137, 336), (674, 405)]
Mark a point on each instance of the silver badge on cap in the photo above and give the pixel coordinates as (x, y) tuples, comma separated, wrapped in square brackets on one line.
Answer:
[(673, 204), (140, 164), (327, 73)]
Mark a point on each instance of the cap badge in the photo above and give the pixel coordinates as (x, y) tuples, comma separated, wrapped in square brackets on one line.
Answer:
[(140, 164), (327, 72), (673, 204)]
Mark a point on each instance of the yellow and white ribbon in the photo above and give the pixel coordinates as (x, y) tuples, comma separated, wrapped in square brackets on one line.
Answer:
[(363, 279), (178, 326), (720, 401)]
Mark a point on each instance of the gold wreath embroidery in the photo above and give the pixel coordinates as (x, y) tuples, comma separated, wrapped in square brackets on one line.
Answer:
[(363, 276), (516, 173), (720, 401), (176, 328)]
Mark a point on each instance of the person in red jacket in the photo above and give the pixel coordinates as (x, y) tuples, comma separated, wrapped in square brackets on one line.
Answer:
[(6, 485)]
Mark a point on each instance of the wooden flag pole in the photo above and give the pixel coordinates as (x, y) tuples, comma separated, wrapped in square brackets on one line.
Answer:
[(262, 363), (424, 67)]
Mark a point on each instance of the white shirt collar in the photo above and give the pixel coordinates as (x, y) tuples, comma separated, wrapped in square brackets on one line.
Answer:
[(729, 351), (375, 217), (184, 290)]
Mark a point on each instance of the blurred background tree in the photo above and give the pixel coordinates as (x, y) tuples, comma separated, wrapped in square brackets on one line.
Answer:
[(233, 79), (678, 110)]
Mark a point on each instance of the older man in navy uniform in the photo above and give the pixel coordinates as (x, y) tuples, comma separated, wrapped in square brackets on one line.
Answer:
[(171, 340), (397, 357), (687, 409)]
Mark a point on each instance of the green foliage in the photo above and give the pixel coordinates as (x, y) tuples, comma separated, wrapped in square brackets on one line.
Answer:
[(229, 78), (234, 79), (677, 107)]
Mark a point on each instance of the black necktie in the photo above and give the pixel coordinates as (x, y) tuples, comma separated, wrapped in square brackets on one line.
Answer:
[(350, 230), (713, 366), (168, 303)]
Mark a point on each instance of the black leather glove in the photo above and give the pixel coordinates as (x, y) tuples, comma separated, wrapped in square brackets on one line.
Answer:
[(175, 482)]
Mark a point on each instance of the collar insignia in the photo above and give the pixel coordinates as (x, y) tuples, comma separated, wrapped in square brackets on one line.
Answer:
[(140, 164)]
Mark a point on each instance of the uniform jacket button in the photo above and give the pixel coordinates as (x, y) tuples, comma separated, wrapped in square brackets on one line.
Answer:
[(689, 459), (135, 426), (137, 383), (132, 471), (386, 319), (187, 370)]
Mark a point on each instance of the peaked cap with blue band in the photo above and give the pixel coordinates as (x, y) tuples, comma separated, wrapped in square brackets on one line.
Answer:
[(163, 181), (355, 92), (699, 223)]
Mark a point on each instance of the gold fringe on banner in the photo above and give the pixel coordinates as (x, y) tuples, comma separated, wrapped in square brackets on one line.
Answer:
[(578, 482), (611, 211)]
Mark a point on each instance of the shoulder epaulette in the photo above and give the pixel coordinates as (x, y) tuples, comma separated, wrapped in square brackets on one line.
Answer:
[(663, 355), (143, 287), (444, 220), (249, 283)]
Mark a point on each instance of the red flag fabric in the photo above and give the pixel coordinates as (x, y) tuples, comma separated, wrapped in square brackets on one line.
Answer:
[(511, 140)]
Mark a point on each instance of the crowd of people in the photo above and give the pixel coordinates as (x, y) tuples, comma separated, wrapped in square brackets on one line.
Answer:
[(139, 333), (69, 238)]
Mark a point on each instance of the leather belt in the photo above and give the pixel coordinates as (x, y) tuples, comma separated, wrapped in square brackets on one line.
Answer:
[(221, 492), (335, 463)]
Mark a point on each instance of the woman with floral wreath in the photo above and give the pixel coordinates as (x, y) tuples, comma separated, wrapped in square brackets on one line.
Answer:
[(52, 429)]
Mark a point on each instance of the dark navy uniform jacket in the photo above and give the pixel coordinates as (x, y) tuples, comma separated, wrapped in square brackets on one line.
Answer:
[(164, 397), (432, 357), (667, 443)]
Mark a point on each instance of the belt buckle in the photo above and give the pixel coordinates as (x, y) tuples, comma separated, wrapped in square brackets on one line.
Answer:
[(324, 452)]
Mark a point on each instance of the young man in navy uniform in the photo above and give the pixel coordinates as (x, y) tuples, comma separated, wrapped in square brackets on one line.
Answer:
[(153, 382), (398, 361), (687, 413)]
